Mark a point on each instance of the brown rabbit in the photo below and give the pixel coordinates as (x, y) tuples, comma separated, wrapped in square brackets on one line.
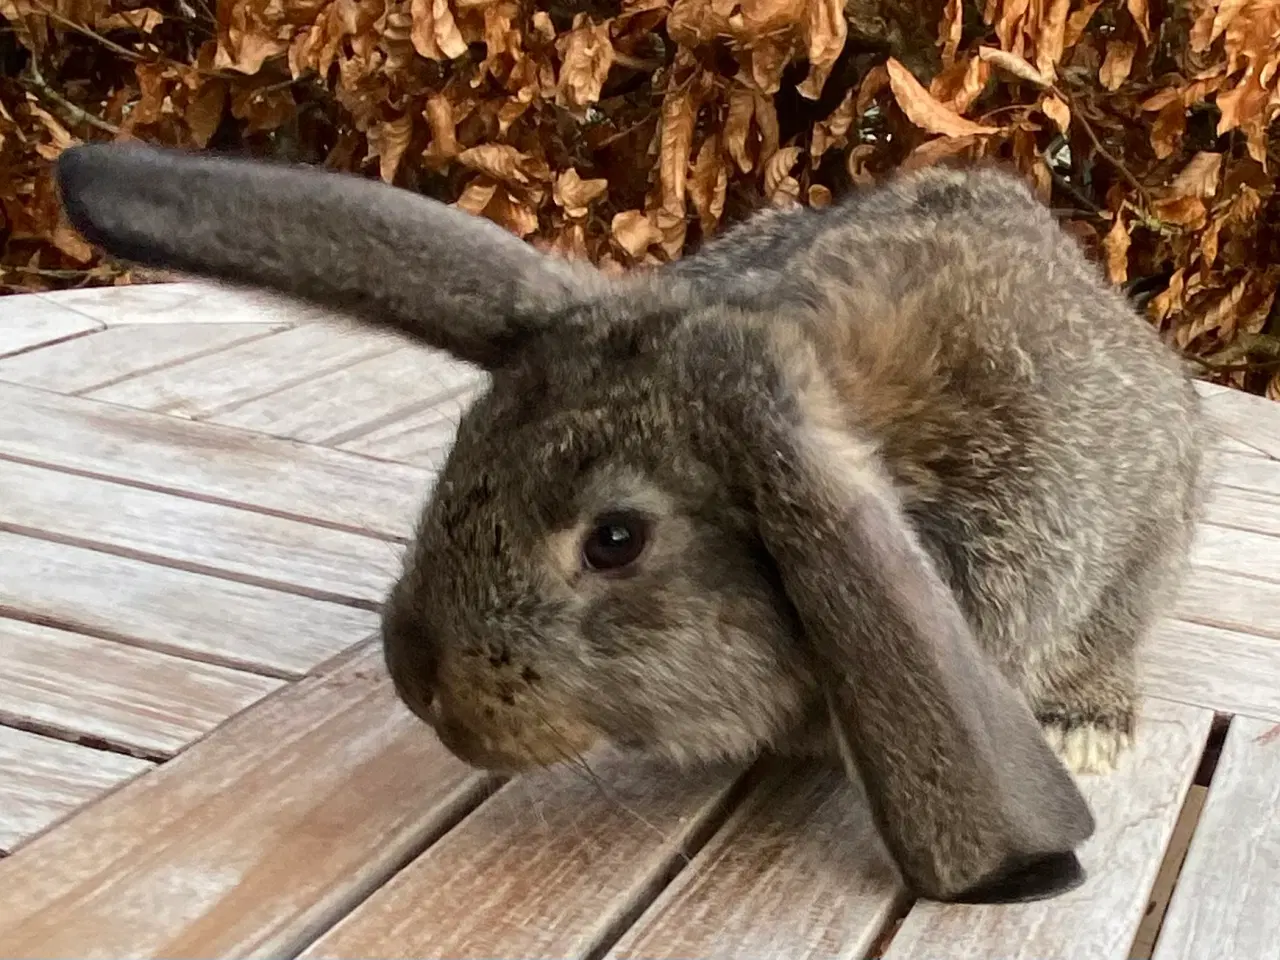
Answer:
[(902, 482)]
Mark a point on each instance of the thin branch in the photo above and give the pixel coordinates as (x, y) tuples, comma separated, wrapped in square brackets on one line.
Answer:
[(1106, 154), (74, 113)]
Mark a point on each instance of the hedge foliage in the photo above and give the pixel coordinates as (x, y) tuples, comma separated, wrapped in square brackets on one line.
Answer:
[(628, 131)]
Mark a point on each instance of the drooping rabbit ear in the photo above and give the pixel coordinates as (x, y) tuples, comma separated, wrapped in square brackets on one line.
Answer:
[(390, 257), (970, 800)]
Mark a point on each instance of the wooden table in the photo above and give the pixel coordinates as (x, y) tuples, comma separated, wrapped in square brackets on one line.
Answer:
[(202, 498)]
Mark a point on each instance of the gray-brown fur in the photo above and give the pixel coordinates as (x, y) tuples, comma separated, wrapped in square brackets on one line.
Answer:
[(916, 479)]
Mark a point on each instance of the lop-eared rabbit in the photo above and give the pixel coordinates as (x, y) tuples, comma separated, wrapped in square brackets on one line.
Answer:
[(901, 483)]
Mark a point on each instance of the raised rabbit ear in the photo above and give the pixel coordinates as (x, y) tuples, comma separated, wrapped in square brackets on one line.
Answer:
[(970, 800), (390, 257)]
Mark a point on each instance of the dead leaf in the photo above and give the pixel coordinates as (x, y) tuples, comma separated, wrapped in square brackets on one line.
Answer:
[(1013, 64), (709, 184), (587, 56), (388, 142), (1117, 65), (827, 30), (576, 195), (635, 232), (737, 126), (1141, 18), (926, 112), (1199, 178), (1116, 245), (1168, 129), (1057, 110), (1186, 212), (819, 196), (779, 168), (675, 145), (501, 161), (435, 34)]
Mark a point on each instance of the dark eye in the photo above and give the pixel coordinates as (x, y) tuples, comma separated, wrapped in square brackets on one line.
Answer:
[(616, 541)]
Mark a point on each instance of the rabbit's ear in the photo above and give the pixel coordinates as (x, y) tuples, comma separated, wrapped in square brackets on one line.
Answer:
[(390, 257), (970, 800)]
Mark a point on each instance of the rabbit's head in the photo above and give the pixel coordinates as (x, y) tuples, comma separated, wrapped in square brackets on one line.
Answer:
[(655, 529)]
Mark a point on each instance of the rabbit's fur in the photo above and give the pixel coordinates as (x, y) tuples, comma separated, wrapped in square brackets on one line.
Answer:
[(917, 482)]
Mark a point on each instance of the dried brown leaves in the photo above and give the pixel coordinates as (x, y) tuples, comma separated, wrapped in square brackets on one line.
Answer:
[(626, 133)]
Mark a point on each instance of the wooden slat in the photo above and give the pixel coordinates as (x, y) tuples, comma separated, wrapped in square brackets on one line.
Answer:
[(205, 386), (196, 534), (1232, 550), (248, 843), (173, 611), (216, 463), (42, 780), (1225, 901), (189, 301), (28, 321), (1248, 473), (552, 866), (1232, 445), (1136, 809), (135, 700), (118, 353), (1249, 419), (347, 402), (797, 872), (1213, 668), (423, 438), (1231, 601), (1245, 510)]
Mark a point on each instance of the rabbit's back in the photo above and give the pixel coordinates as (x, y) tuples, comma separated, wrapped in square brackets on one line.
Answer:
[(1041, 433)]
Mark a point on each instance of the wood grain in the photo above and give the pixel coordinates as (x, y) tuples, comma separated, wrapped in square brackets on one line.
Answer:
[(1231, 601), (28, 321), (1233, 550), (797, 872), (117, 353), (196, 535), (423, 438), (192, 301), (336, 406), (1213, 668), (1248, 473), (552, 866), (135, 700), (43, 780), (1136, 809), (1245, 510), (173, 611), (248, 843), (216, 463), (207, 386), (1232, 445), (1249, 419), (1225, 901)]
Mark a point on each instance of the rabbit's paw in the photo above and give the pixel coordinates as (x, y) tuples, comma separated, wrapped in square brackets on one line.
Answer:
[(1087, 748)]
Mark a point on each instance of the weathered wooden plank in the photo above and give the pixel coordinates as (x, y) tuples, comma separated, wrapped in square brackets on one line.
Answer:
[(797, 872), (216, 463), (1231, 601), (118, 353), (28, 321), (251, 841), (135, 700), (196, 534), (1248, 473), (206, 386), (423, 438), (1232, 445), (188, 301), (1225, 901), (1249, 419), (42, 780), (1213, 668), (1136, 809), (551, 866), (1233, 550), (1245, 510), (346, 402), (173, 611)]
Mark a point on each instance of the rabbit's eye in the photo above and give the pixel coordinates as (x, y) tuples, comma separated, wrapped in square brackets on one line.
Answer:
[(616, 541)]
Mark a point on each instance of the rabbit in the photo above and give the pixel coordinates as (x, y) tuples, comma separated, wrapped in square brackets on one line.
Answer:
[(901, 483)]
